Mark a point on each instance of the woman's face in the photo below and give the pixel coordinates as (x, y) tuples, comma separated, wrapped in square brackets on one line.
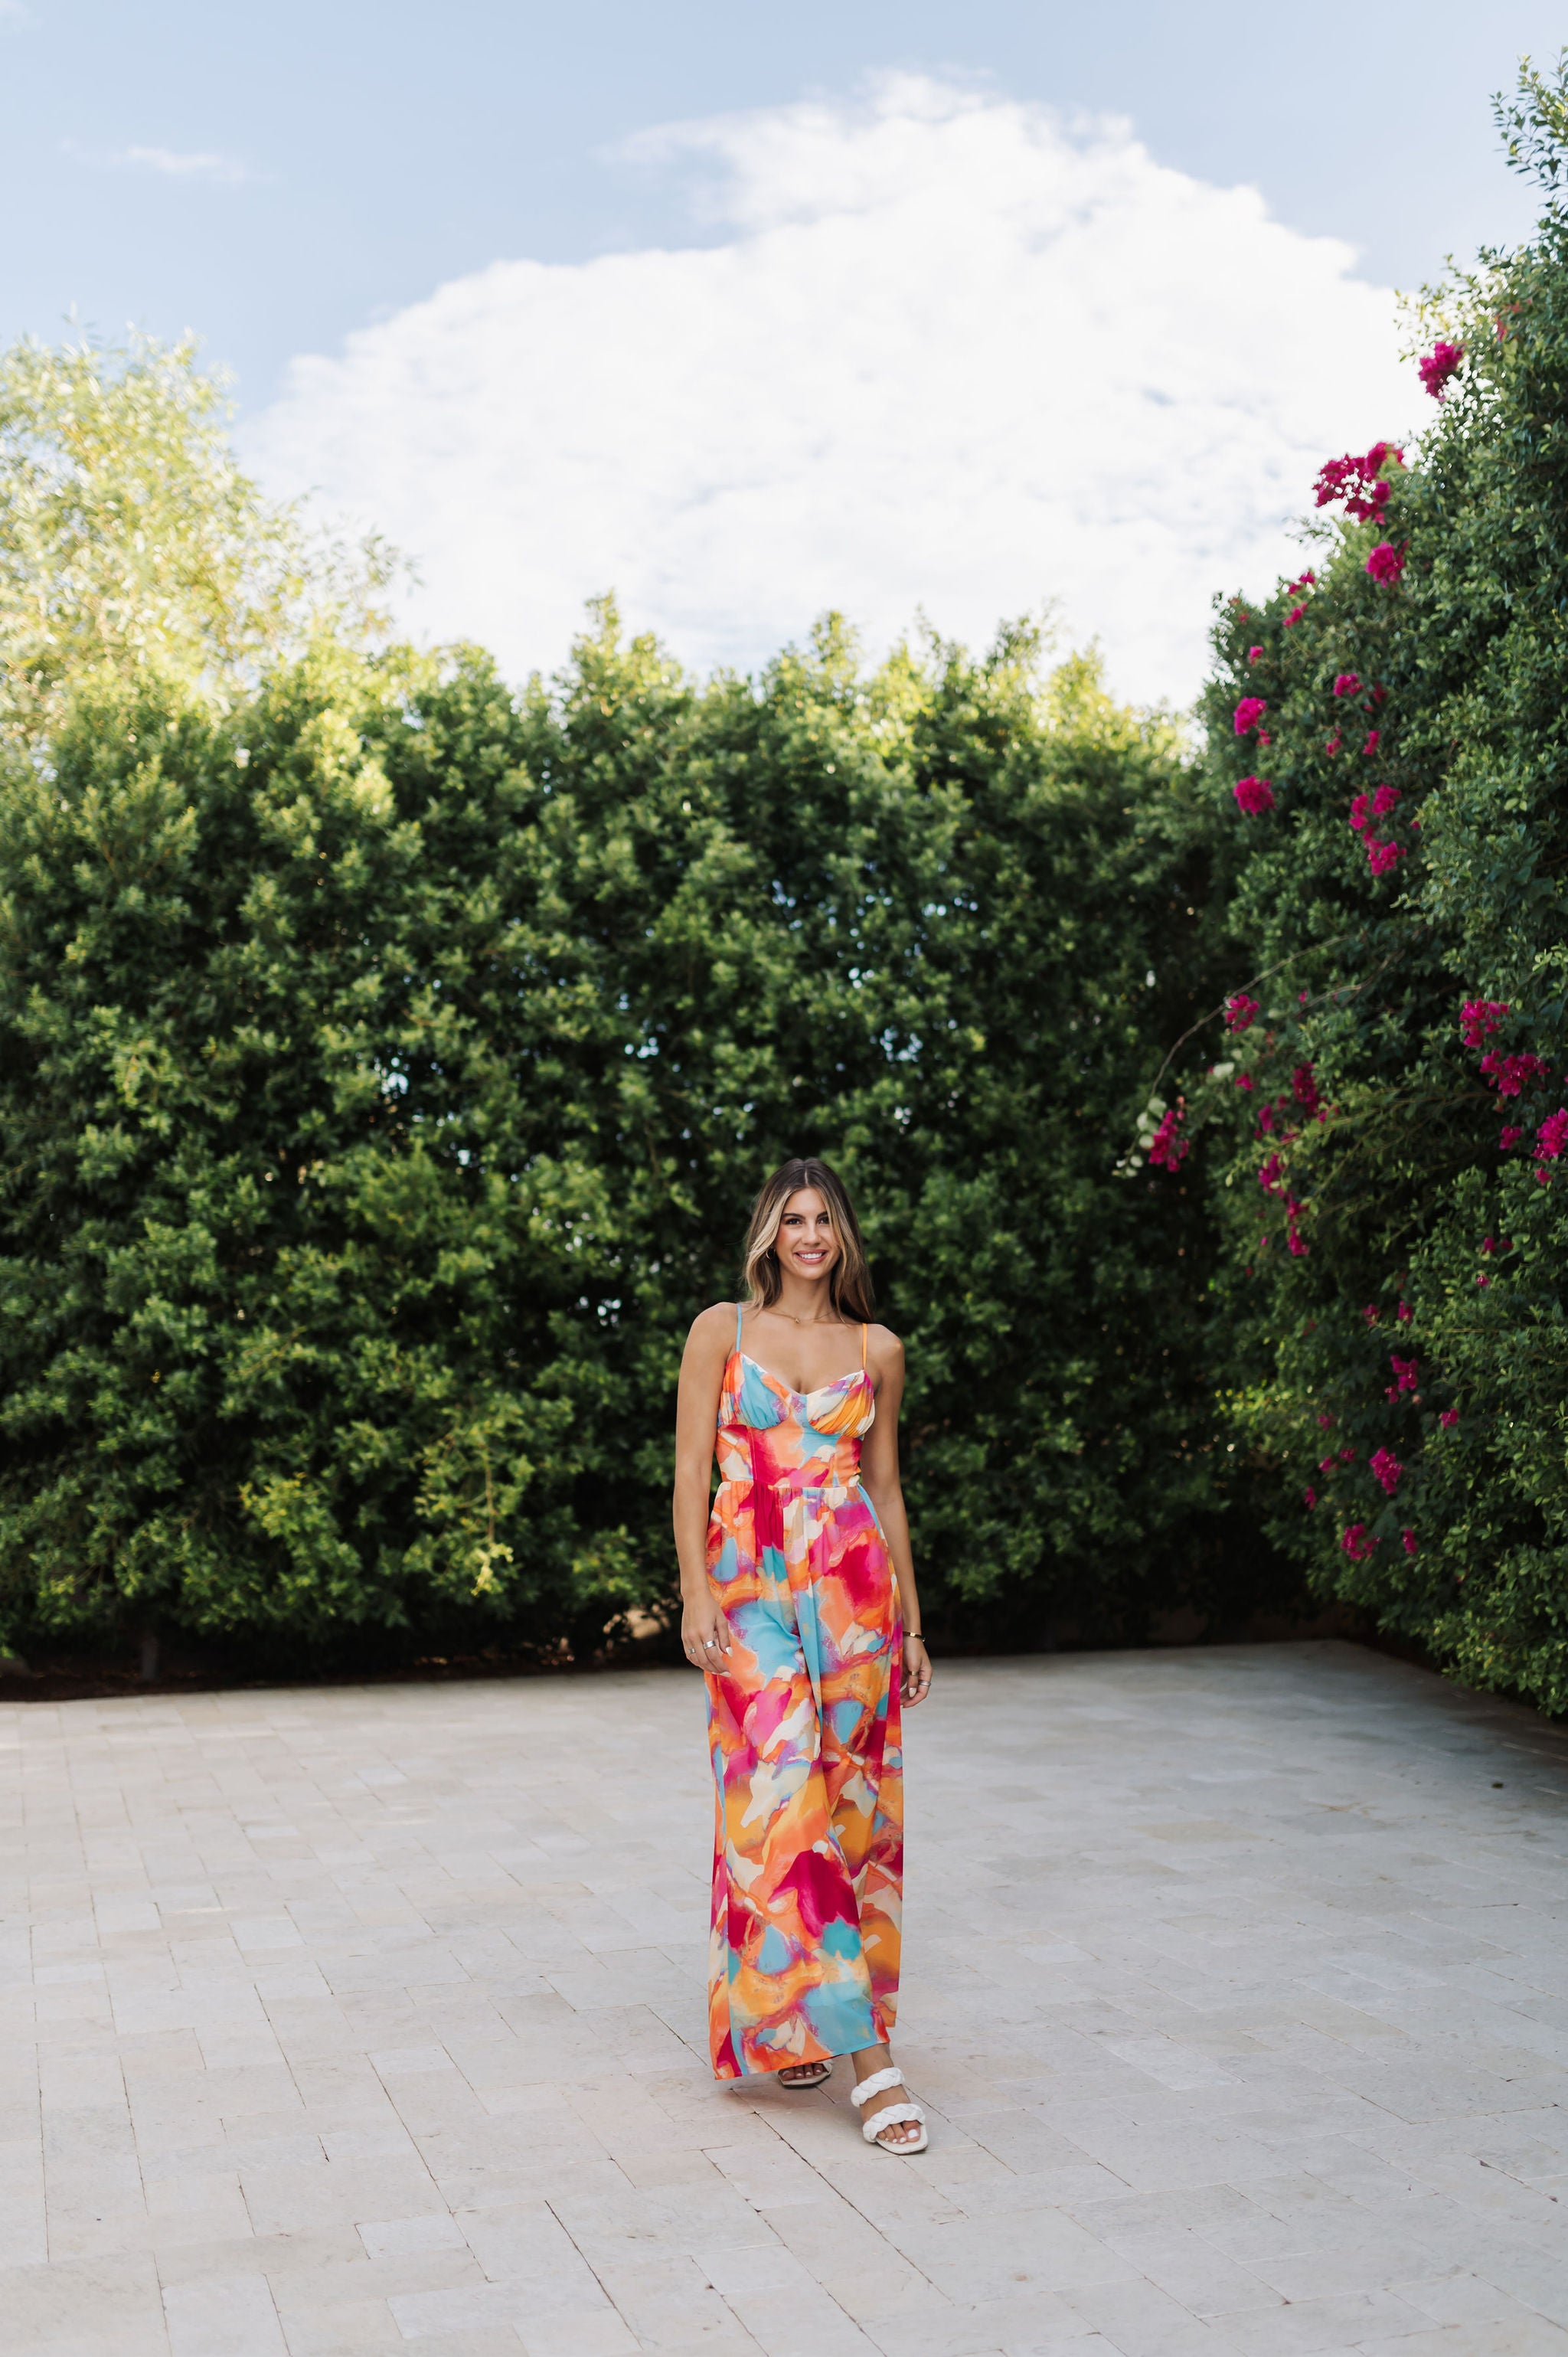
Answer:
[(805, 1242)]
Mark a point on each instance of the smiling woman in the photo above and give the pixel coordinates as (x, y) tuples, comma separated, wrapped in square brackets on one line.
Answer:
[(800, 1608)]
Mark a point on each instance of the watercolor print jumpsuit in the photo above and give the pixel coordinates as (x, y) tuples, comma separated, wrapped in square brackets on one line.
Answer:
[(803, 1729)]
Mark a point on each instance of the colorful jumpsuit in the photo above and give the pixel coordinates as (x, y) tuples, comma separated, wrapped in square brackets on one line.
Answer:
[(803, 1729)]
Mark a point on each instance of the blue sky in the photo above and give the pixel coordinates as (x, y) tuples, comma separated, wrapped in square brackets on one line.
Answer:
[(746, 310)]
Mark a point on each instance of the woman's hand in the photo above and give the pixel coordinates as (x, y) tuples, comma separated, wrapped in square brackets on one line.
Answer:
[(917, 1670), (704, 1633)]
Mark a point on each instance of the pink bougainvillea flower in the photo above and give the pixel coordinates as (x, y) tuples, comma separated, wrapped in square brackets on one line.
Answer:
[(1249, 711), (1370, 1313), (1371, 744), (1552, 1137), (1326, 1465), (1327, 1422), (1439, 365), (1309, 1499), (1346, 1457), (1360, 810), (1295, 616), (1405, 1313), (1358, 1542), (1386, 1468), (1252, 653), (1381, 857), (1243, 1080), (1271, 1176), (1165, 1146), (1483, 1280), (1254, 795), (1508, 1136), (1264, 738), (1385, 799), (1407, 1371), (1357, 480), (1347, 683), (1449, 1418), (1511, 1072), (1407, 1540), (1386, 562), (1308, 581), (1333, 745), (1304, 1087), (1478, 1017), (1240, 1011)]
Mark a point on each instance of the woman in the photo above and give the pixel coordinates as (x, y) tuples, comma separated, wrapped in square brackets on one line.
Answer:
[(799, 1605)]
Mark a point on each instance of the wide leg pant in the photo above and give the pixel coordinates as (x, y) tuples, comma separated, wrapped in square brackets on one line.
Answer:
[(803, 1726)]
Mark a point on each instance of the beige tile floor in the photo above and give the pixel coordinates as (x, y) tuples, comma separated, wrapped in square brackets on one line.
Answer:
[(351, 2022)]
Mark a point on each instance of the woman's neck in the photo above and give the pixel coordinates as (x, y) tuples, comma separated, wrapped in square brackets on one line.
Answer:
[(807, 1304)]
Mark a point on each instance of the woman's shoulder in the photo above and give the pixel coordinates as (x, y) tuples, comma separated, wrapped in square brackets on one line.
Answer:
[(883, 1345), (718, 1319)]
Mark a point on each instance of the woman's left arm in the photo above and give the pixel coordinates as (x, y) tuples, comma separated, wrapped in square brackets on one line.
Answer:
[(879, 1478)]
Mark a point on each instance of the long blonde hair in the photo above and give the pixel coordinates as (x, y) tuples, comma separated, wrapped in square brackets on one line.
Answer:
[(849, 1280)]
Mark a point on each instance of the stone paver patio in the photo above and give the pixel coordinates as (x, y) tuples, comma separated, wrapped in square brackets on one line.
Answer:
[(348, 2022)]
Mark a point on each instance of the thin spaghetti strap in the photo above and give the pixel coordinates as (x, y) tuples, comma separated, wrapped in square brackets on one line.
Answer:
[(737, 1312), (863, 1334)]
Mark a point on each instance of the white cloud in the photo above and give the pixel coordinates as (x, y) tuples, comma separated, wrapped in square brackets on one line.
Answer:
[(948, 353), (199, 165), (171, 162)]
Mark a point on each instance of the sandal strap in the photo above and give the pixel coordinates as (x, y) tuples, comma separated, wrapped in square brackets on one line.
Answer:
[(877, 2084), (889, 2118)]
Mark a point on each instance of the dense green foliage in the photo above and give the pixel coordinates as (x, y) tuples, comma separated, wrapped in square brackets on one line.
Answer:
[(387, 1062), (1405, 1367)]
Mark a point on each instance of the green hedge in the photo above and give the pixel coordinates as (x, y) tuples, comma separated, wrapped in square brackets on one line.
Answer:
[(385, 1067)]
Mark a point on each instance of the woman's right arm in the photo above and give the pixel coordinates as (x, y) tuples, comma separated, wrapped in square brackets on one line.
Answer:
[(704, 1631)]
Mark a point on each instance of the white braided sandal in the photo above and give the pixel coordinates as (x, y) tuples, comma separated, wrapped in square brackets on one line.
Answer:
[(890, 2114)]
